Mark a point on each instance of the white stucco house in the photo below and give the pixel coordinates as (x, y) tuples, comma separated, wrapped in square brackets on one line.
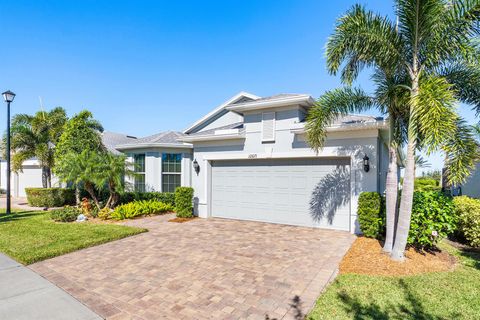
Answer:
[(248, 159)]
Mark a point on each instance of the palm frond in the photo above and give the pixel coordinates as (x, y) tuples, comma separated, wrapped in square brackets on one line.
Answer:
[(461, 153), (329, 107), (435, 115), (362, 39)]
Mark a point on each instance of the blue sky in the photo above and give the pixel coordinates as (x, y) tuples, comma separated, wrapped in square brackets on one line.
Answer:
[(146, 66)]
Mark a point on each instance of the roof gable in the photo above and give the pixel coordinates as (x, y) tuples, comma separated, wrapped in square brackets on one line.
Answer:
[(241, 97)]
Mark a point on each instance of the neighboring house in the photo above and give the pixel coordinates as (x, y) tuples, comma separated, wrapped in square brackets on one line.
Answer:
[(471, 187), (248, 159), (31, 174)]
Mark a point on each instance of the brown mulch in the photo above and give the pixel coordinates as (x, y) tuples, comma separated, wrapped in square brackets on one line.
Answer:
[(366, 257), (181, 220)]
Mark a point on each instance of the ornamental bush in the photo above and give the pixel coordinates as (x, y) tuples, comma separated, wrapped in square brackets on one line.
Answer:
[(140, 208), (184, 202), (165, 197), (66, 214), (433, 218), (467, 211), (425, 184), (49, 197), (371, 214)]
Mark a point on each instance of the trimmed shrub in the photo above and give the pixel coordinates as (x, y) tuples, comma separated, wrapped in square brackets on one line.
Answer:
[(467, 211), (165, 197), (50, 197), (67, 214), (371, 214), (425, 184), (184, 202), (433, 218), (140, 208)]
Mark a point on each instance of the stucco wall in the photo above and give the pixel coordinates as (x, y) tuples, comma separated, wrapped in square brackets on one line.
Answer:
[(353, 144), (471, 187), (153, 166), (222, 119)]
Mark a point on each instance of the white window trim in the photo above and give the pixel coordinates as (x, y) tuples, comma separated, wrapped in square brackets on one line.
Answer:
[(273, 127)]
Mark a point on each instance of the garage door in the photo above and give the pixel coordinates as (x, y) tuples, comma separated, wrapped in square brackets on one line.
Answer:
[(31, 177), (306, 192)]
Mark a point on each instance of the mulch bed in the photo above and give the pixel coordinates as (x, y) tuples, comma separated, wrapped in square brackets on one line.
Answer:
[(366, 257), (181, 220)]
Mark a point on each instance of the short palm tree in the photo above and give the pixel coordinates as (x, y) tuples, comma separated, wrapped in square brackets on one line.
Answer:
[(431, 45), (35, 137), (111, 171), (80, 168)]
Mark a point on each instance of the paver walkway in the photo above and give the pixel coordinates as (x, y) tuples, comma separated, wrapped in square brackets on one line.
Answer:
[(26, 295), (202, 269)]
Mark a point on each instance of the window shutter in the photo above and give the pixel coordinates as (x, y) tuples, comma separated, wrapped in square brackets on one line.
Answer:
[(268, 126)]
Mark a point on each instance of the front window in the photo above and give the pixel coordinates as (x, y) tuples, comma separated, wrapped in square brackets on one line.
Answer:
[(171, 171), (139, 160)]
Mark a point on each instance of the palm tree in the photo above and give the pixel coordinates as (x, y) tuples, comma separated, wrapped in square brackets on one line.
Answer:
[(111, 172), (35, 137), (388, 98), (81, 168), (431, 38)]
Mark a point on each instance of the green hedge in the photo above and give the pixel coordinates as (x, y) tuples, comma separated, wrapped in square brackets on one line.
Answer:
[(371, 214), (165, 197), (433, 218), (425, 184), (50, 197), (184, 202), (140, 208), (467, 211)]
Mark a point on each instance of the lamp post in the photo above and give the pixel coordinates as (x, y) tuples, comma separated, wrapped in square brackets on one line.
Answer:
[(8, 96)]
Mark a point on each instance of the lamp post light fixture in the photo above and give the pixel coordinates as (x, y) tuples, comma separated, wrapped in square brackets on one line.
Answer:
[(366, 163), (8, 96)]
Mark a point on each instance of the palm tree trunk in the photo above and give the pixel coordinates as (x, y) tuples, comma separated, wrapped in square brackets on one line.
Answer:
[(77, 195), (391, 198), (91, 192), (406, 201), (49, 177), (44, 177)]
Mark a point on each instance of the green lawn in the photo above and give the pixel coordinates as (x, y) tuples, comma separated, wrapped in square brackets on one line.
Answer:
[(446, 295), (29, 237)]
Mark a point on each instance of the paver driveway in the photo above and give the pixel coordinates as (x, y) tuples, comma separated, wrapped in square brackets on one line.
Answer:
[(202, 269)]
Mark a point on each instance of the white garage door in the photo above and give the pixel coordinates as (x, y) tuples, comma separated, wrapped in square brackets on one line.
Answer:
[(31, 177), (310, 192)]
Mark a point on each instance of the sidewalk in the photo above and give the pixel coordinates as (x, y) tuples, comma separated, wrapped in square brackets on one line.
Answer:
[(26, 295), (18, 204)]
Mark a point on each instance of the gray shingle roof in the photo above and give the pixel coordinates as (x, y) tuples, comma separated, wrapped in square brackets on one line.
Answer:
[(354, 118), (112, 139), (162, 137)]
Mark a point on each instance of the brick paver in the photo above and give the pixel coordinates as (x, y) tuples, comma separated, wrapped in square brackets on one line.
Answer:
[(202, 269)]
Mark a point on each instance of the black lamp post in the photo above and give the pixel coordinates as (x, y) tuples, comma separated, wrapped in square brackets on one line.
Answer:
[(8, 96)]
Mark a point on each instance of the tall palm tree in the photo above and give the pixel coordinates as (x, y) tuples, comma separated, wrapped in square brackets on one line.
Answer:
[(431, 38), (388, 98), (35, 137)]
